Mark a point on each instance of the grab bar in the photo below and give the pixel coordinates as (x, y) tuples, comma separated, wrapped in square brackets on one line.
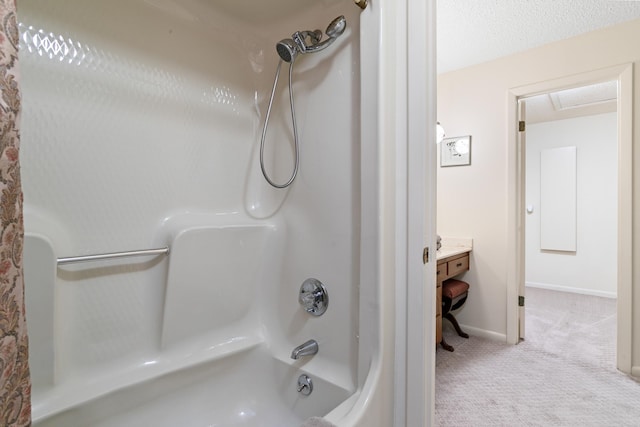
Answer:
[(99, 257)]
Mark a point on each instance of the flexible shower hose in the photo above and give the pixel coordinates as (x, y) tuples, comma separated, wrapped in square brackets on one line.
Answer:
[(295, 130)]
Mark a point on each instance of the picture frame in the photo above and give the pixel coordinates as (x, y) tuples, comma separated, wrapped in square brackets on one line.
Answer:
[(455, 151)]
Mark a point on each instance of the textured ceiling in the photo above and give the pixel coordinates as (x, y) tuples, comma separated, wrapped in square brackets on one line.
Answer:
[(475, 31)]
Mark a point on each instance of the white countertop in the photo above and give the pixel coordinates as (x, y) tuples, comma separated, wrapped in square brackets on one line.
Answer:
[(454, 246)]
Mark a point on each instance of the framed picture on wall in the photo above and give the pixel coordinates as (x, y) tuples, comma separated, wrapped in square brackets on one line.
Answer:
[(455, 151)]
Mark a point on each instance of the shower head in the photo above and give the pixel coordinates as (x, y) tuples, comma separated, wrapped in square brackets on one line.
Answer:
[(287, 49), (336, 27)]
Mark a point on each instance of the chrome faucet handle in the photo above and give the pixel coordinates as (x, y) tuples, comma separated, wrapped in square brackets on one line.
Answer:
[(314, 297)]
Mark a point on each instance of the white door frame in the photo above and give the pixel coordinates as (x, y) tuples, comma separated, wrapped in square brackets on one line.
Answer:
[(521, 167), (515, 234), (415, 190)]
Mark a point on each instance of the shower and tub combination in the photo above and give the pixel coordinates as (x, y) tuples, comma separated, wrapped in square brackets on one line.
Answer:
[(187, 218)]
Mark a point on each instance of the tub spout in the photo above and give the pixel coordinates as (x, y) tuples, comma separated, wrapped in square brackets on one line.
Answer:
[(306, 349)]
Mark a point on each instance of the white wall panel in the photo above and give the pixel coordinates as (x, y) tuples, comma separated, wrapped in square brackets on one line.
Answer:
[(558, 199)]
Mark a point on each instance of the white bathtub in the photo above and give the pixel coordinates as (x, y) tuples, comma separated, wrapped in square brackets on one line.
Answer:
[(249, 389), (218, 361)]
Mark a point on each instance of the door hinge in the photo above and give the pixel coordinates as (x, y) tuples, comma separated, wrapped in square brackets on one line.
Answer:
[(425, 255), (521, 126), (520, 301)]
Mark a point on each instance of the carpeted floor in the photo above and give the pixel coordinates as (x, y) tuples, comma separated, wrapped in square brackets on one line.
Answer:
[(563, 374)]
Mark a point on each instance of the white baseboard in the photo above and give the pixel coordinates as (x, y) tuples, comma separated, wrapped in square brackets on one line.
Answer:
[(635, 371), (582, 291), (483, 333)]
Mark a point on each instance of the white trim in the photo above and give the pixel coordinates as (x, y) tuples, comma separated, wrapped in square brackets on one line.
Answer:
[(635, 371), (624, 346), (484, 333), (515, 265), (581, 291), (399, 74), (421, 188), (411, 71)]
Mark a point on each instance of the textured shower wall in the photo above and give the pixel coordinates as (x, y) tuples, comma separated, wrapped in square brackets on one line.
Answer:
[(132, 113), (138, 112)]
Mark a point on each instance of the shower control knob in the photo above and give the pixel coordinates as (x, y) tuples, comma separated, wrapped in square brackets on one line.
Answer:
[(313, 297)]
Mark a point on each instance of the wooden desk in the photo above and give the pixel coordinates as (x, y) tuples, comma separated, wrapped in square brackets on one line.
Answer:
[(451, 262)]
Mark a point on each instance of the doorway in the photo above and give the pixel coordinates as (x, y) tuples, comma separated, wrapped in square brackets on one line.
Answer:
[(570, 222), (517, 228)]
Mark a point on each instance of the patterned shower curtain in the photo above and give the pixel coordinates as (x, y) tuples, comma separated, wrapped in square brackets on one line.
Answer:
[(15, 383)]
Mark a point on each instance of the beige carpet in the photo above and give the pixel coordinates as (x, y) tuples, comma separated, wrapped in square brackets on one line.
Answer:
[(563, 374)]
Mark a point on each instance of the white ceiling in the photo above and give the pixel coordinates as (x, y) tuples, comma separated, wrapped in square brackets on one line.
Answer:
[(475, 31)]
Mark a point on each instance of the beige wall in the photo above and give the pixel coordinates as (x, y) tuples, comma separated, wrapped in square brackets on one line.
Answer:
[(474, 201)]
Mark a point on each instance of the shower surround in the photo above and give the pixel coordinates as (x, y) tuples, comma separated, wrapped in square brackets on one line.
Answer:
[(141, 129)]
